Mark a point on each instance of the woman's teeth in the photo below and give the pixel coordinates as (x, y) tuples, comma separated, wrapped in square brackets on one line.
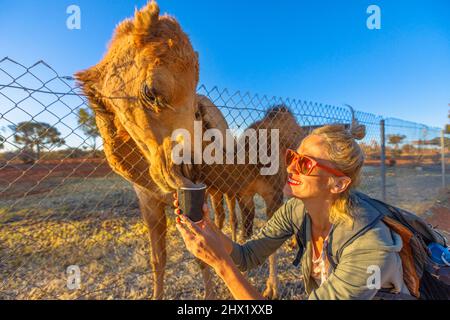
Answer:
[(294, 182)]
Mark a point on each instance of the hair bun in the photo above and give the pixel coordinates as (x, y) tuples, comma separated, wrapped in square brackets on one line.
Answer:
[(358, 131)]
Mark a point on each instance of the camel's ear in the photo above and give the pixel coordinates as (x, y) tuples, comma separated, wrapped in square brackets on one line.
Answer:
[(197, 67), (210, 115), (124, 28), (87, 80), (145, 20), (121, 151)]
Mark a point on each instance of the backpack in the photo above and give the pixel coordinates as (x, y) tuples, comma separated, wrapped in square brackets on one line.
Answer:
[(424, 278)]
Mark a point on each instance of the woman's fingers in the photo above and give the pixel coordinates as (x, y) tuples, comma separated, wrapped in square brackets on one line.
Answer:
[(177, 209), (186, 234), (205, 210), (188, 225), (191, 225)]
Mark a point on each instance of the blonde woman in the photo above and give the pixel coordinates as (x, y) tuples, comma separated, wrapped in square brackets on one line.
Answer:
[(322, 212)]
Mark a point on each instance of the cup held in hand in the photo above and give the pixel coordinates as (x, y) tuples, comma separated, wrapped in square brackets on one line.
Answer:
[(191, 202)]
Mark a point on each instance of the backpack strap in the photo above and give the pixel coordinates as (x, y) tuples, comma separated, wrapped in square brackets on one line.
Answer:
[(421, 229)]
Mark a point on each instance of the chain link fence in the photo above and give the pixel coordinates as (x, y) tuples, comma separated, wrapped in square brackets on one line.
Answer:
[(65, 214)]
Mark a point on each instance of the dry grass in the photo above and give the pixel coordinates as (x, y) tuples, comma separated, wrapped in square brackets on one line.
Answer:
[(95, 223)]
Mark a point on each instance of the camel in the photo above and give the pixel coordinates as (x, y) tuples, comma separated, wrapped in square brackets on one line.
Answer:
[(244, 181), (141, 91)]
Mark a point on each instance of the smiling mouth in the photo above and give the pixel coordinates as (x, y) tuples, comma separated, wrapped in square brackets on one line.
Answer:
[(293, 182)]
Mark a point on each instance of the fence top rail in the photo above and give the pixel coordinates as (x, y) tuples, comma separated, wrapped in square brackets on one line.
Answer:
[(15, 73)]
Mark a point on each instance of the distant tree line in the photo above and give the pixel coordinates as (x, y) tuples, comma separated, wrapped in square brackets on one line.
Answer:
[(86, 120), (37, 140), (396, 148)]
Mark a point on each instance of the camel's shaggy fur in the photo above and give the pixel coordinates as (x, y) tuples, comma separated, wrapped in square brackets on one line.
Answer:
[(143, 90), (147, 79)]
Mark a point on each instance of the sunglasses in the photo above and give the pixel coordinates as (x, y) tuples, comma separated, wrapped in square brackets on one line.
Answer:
[(305, 165)]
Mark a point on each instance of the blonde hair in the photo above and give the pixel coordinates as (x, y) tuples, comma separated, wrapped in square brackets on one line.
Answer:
[(348, 157)]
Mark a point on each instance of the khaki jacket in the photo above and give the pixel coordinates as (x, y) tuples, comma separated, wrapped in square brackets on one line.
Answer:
[(376, 248)]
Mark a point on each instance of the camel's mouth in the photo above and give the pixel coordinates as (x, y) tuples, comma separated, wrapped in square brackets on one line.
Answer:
[(187, 170), (169, 176)]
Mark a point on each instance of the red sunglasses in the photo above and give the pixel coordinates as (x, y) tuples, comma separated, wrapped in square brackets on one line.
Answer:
[(305, 165)]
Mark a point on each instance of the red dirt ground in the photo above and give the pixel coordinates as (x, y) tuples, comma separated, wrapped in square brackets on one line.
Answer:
[(439, 214), (16, 180)]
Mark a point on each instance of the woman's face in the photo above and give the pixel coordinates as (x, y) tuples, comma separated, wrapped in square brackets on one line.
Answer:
[(319, 183)]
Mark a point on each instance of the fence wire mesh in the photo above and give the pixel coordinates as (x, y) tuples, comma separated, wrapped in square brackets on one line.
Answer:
[(62, 205)]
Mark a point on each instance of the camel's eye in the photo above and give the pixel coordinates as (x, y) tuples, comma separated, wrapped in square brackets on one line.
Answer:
[(149, 94), (153, 100)]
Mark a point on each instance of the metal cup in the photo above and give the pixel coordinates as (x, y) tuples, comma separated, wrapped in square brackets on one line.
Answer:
[(191, 202)]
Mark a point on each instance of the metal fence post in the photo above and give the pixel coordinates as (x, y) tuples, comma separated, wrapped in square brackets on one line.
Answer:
[(443, 157), (383, 160), (352, 111)]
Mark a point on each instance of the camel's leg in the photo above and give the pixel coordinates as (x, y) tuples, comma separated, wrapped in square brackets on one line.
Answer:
[(155, 219), (248, 215), (231, 204), (217, 204), (158, 257), (273, 202), (272, 291)]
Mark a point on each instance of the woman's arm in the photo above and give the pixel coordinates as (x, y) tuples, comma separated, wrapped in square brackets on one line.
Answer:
[(275, 232), (256, 251), (203, 241), (209, 244), (227, 243)]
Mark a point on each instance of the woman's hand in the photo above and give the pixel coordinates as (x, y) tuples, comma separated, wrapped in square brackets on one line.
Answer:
[(206, 242), (202, 239)]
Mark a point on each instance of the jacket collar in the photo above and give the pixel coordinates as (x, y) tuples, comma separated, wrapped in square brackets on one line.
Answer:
[(365, 217)]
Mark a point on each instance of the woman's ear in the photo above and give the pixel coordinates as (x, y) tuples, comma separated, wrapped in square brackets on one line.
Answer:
[(340, 184)]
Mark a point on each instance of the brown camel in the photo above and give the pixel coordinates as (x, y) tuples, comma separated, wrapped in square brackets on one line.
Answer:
[(142, 91), (244, 181)]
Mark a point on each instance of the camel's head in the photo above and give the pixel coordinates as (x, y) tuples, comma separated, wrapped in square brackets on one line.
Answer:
[(146, 84)]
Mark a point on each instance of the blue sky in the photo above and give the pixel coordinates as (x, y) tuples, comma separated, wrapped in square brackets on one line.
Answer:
[(317, 50)]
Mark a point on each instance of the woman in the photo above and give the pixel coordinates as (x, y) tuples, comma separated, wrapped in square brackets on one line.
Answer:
[(322, 212)]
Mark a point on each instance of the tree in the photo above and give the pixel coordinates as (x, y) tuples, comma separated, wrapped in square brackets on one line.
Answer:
[(408, 149), (2, 138), (375, 146), (437, 142), (447, 127), (396, 140), (36, 135), (86, 120)]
